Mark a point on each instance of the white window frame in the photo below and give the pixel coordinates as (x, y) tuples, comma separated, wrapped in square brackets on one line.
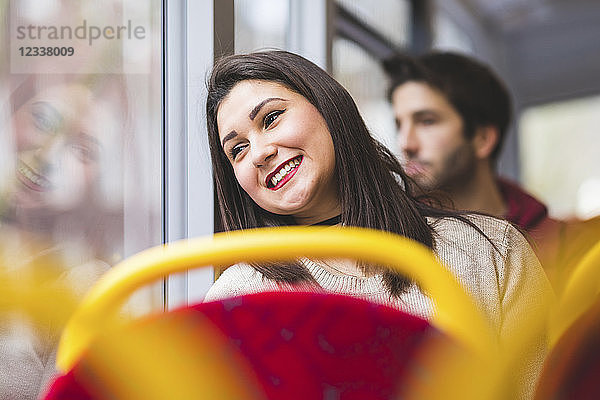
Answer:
[(189, 52), (187, 182)]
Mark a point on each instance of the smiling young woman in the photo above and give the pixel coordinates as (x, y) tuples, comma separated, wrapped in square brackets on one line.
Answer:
[(289, 147)]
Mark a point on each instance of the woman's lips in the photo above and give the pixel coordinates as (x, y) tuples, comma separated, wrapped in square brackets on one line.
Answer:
[(283, 173)]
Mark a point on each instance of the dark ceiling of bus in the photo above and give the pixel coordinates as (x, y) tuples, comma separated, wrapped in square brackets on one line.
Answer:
[(552, 47), (514, 15)]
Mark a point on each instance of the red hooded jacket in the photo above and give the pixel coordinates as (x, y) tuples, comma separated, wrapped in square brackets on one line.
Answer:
[(559, 244)]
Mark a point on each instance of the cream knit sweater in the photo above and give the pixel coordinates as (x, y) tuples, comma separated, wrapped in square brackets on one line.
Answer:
[(502, 282)]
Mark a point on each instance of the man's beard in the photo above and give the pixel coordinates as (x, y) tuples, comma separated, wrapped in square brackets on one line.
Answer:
[(457, 171)]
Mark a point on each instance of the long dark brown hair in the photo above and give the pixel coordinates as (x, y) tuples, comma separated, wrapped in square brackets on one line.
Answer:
[(371, 183)]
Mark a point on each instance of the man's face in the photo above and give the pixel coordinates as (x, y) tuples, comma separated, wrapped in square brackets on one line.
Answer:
[(430, 136)]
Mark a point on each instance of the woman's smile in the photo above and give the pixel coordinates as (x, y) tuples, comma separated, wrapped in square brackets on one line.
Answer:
[(283, 173), (31, 179)]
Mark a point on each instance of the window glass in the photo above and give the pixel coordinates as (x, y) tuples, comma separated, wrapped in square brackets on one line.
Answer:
[(448, 35), (80, 103), (391, 18), (261, 24), (559, 156), (364, 78)]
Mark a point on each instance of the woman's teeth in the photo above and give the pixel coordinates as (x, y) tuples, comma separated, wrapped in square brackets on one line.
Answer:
[(284, 171), (33, 177)]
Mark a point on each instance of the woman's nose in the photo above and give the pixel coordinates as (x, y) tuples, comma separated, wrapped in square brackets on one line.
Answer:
[(47, 154), (262, 153)]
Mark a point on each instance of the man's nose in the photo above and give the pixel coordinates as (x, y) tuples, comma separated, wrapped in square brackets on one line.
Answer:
[(407, 140)]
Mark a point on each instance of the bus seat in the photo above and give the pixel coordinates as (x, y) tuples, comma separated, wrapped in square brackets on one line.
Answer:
[(95, 333), (572, 369), (579, 294), (293, 345)]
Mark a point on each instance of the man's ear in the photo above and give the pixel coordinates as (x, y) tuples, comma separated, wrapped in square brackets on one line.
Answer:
[(485, 140)]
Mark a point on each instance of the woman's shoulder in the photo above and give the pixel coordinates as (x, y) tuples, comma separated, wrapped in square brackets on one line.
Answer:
[(474, 243), (237, 280), (467, 229), (82, 277), (239, 275)]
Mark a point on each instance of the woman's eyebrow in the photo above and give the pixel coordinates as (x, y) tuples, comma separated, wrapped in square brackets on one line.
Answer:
[(229, 136), (252, 115), (260, 105)]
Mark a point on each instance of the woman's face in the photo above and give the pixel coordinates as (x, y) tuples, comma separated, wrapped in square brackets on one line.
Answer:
[(280, 149), (57, 134)]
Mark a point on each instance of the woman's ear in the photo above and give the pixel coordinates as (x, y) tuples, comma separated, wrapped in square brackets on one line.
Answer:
[(485, 141)]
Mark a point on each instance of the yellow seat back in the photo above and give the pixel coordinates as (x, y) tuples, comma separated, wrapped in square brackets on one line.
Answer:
[(456, 314)]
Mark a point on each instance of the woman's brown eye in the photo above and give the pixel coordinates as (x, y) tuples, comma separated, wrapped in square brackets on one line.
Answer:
[(235, 150), (83, 153), (45, 117), (271, 117)]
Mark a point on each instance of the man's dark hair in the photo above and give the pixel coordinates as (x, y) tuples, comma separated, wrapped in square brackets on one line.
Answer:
[(472, 88)]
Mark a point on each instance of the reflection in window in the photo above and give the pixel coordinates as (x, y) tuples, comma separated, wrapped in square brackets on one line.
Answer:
[(559, 156), (81, 150), (261, 25), (364, 78)]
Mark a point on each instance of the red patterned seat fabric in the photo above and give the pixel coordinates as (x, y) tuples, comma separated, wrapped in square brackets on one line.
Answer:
[(298, 345)]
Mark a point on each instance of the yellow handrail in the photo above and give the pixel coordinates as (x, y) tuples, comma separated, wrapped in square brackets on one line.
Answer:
[(456, 314)]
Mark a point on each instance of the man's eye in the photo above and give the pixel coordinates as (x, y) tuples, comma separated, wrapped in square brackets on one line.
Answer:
[(428, 121), (271, 117)]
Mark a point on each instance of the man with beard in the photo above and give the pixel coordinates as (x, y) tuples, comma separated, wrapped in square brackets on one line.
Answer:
[(452, 114)]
